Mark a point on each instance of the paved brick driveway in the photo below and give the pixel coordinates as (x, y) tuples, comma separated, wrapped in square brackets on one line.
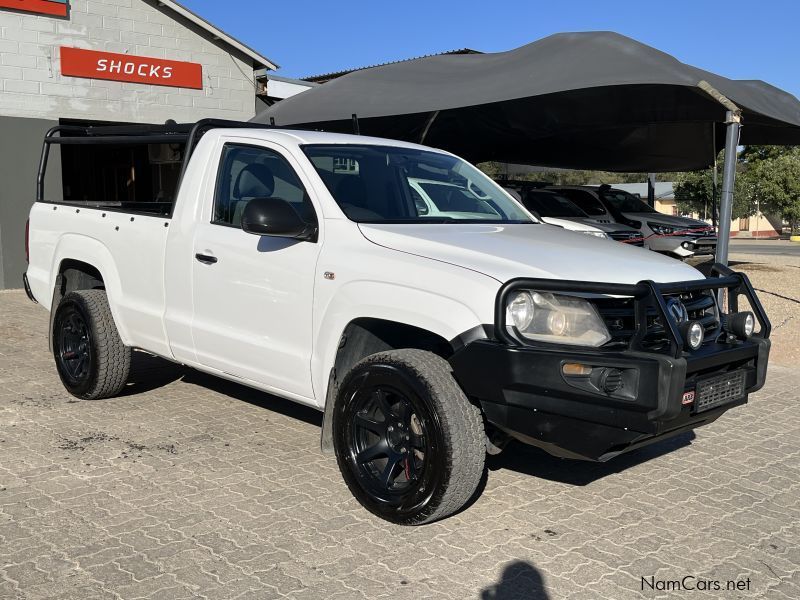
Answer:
[(192, 487)]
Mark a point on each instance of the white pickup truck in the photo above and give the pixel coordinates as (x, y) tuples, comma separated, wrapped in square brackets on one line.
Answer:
[(300, 263)]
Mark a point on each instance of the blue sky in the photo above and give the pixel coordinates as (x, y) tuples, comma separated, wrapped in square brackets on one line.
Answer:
[(309, 38)]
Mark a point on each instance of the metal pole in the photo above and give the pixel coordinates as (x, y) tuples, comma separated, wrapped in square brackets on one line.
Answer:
[(714, 188), (651, 189), (728, 180)]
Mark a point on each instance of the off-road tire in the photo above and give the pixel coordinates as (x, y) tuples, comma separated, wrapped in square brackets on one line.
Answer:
[(108, 360), (453, 421)]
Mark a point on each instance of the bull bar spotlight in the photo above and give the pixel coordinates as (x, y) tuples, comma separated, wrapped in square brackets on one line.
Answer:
[(693, 334), (742, 324)]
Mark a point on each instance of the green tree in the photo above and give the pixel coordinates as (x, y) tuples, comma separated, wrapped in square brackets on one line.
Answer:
[(497, 170), (774, 183), (694, 190)]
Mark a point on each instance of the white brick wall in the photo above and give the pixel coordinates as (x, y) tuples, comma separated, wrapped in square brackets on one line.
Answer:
[(31, 84)]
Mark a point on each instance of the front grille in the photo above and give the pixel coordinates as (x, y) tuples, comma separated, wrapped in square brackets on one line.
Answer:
[(632, 238), (718, 390), (618, 315)]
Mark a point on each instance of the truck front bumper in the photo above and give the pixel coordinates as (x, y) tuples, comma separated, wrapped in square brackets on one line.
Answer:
[(594, 403), (682, 246), (524, 392)]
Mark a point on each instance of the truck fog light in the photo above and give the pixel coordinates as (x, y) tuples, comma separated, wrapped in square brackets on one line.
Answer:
[(521, 310), (742, 324), (610, 380), (693, 334)]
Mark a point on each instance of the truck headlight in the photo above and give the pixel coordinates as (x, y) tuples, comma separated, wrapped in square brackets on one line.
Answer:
[(548, 317), (659, 229), (599, 234)]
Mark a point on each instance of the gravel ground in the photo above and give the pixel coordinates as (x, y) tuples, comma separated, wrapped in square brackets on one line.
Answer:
[(187, 486), (777, 280)]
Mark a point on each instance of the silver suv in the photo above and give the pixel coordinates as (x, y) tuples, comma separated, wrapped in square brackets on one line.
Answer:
[(678, 236)]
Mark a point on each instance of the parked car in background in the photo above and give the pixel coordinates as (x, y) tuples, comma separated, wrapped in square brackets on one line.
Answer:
[(681, 237), (434, 198), (562, 223), (674, 234), (556, 209)]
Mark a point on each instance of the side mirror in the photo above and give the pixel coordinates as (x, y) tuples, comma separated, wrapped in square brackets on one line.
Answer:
[(276, 217)]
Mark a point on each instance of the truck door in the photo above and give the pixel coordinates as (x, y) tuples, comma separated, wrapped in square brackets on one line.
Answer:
[(252, 294)]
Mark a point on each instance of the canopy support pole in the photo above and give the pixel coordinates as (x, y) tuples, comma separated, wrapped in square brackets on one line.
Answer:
[(714, 186), (651, 189), (733, 122), (428, 124)]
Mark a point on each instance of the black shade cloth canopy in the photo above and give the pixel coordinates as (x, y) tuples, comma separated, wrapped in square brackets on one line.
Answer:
[(594, 100)]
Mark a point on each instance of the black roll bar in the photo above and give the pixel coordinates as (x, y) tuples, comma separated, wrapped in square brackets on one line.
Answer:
[(170, 132)]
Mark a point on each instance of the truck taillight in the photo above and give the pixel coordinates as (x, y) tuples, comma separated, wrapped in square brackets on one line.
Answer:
[(27, 243)]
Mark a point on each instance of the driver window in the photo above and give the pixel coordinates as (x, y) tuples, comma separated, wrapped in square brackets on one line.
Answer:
[(248, 172)]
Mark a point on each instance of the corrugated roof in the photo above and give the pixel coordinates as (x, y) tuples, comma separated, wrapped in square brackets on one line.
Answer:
[(328, 76)]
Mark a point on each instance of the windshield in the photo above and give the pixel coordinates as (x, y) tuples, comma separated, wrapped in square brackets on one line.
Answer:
[(547, 204), (625, 202), (387, 184), (586, 201)]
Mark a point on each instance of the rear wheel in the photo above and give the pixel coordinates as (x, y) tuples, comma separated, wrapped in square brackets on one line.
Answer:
[(409, 444), (91, 359)]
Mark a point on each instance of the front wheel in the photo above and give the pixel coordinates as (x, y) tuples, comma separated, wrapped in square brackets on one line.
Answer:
[(409, 444)]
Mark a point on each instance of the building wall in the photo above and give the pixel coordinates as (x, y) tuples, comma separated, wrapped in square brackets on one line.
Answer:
[(20, 147), (665, 206), (759, 225), (32, 84), (34, 94)]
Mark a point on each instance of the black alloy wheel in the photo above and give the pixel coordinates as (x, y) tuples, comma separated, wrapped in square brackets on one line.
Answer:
[(391, 441), (73, 347), (90, 357), (409, 444)]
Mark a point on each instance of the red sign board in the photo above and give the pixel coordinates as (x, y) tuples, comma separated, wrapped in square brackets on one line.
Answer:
[(94, 64), (57, 8)]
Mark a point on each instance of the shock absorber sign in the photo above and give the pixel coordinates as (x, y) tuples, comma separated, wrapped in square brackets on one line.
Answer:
[(94, 64), (55, 8)]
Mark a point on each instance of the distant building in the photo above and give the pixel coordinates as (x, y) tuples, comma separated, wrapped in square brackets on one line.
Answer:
[(272, 88)]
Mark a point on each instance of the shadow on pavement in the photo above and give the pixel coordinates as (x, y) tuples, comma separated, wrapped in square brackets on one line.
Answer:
[(530, 460), (519, 580), (255, 397), (150, 372)]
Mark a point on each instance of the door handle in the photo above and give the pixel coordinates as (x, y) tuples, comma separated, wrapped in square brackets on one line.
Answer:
[(206, 259)]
